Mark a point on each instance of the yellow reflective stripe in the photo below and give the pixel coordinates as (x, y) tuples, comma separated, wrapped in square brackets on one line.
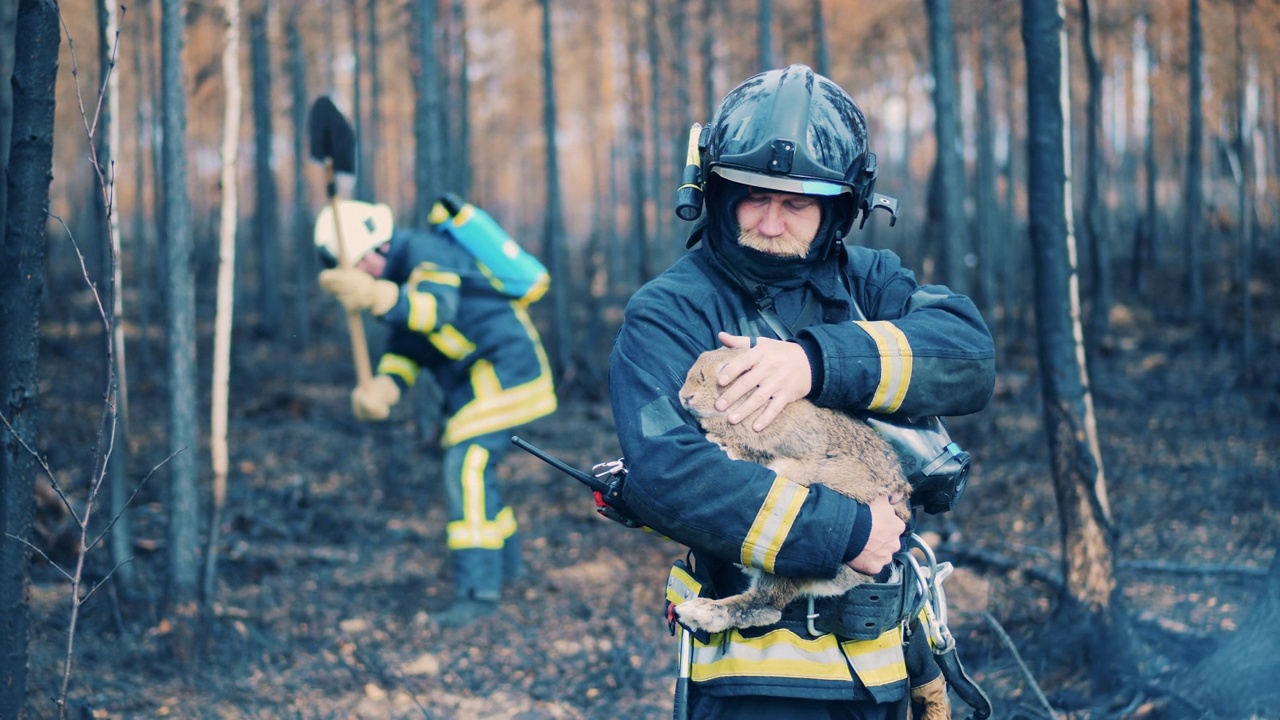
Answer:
[(474, 530), (773, 521), (895, 365), (507, 409), (423, 306), (429, 272), (681, 586), (784, 654), (400, 366), (464, 214), (496, 409), (777, 654), (880, 661), (484, 379), (452, 343), (423, 312), (537, 290), (488, 535)]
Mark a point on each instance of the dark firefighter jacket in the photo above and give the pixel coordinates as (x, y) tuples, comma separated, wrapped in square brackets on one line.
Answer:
[(922, 351), (479, 344)]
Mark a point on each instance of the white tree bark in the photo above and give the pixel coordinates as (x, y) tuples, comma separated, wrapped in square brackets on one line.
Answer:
[(226, 284)]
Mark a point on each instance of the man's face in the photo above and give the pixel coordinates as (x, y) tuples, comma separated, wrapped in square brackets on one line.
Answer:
[(374, 262), (778, 223)]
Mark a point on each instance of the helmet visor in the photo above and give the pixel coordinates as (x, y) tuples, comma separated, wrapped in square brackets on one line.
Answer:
[(781, 183)]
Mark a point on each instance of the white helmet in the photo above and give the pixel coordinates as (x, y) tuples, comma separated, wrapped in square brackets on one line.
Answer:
[(364, 227)]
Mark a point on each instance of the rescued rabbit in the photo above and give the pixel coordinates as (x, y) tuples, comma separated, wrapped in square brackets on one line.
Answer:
[(808, 445)]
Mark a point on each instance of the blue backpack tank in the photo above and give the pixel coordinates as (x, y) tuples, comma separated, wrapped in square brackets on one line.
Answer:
[(511, 269)]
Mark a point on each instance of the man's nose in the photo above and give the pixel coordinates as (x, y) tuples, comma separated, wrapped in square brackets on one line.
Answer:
[(771, 224)]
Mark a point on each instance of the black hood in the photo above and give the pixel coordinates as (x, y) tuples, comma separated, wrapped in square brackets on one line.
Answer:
[(720, 230)]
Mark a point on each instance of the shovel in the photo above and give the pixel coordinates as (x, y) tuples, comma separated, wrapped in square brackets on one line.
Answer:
[(333, 143)]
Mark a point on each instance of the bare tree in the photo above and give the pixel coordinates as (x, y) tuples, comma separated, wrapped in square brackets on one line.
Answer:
[(106, 141), (553, 241), (987, 220), (635, 155), (657, 90), (1241, 156), (226, 289), (1144, 241), (357, 102), (822, 52), (304, 265), (1090, 597), (372, 129), (1095, 237), (1194, 188), (946, 197), (764, 28), (180, 321), (428, 158), (708, 52), (27, 82), (266, 229)]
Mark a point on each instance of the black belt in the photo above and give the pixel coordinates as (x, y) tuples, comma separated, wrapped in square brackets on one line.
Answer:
[(864, 613)]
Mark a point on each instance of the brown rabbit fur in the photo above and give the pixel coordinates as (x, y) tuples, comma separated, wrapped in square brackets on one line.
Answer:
[(808, 445)]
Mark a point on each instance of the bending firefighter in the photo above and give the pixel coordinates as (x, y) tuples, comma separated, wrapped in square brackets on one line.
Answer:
[(785, 171), (447, 314)]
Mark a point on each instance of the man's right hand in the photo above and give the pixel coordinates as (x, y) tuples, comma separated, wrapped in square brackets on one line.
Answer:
[(885, 538), (372, 401)]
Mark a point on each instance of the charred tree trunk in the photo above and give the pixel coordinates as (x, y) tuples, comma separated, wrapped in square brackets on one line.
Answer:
[(28, 76), (765, 35), (266, 229), (946, 200), (656, 93), (553, 242), (184, 499), (359, 190), (428, 158), (635, 158), (988, 216), (462, 169), (304, 264), (1194, 189), (821, 50), (1090, 597), (371, 137), (1144, 242), (707, 50), (1095, 236)]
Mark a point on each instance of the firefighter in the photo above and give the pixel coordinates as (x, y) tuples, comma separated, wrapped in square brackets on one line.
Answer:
[(446, 317), (786, 171)]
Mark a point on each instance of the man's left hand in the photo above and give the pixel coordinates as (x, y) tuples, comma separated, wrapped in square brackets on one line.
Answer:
[(358, 290), (770, 375)]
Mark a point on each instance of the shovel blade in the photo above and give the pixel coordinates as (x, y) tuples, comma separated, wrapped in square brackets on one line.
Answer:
[(331, 135)]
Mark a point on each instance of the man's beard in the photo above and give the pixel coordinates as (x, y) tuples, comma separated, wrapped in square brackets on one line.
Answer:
[(783, 246)]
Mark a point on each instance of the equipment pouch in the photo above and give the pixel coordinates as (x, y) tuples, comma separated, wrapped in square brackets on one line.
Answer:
[(936, 467)]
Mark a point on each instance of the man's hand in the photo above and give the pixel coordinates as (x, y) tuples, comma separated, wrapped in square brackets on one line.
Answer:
[(372, 401), (358, 290), (885, 538), (771, 374)]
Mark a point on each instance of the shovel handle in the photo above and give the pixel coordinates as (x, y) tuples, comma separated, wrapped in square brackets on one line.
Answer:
[(355, 325)]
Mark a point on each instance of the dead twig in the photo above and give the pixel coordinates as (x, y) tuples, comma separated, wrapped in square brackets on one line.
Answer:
[(1031, 680)]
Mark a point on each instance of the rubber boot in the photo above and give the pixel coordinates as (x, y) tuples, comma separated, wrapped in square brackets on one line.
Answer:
[(477, 577), (468, 607), (513, 568)]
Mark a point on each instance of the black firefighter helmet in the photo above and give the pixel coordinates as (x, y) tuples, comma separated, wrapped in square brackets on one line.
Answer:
[(792, 130)]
